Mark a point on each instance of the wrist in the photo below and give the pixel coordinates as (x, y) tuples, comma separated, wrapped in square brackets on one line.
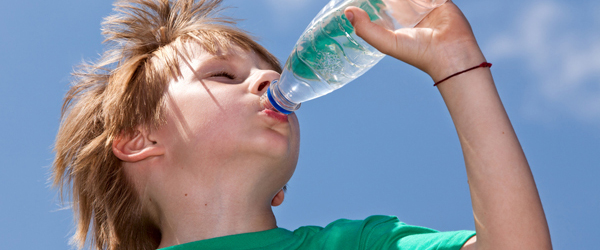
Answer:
[(481, 65), (455, 59)]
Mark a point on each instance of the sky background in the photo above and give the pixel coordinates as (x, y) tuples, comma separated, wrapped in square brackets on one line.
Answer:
[(383, 144)]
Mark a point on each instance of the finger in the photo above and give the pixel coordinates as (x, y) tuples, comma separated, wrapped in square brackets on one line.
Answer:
[(379, 37)]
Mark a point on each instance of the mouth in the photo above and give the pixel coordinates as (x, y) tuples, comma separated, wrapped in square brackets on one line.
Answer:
[(270, 111), (276, 115)]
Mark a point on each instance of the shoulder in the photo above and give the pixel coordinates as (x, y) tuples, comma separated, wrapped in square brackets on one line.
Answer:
[(351, 226), (379, 232), (343, 233)]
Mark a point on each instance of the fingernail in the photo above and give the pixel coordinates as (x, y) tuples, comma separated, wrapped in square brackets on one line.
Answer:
[(350, 16)]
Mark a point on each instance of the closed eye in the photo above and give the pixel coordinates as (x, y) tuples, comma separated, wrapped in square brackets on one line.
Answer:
[(223, 74)]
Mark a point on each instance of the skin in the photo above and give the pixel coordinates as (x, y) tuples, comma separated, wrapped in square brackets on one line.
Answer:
[(219, 163), (506, 205)]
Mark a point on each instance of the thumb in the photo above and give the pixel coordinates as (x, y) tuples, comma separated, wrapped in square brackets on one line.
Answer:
[(379, 37)]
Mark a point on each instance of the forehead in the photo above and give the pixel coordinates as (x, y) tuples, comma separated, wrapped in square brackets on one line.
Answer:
[(233, 54)]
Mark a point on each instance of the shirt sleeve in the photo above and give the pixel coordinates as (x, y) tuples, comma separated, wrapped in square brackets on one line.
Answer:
[(387, 232)]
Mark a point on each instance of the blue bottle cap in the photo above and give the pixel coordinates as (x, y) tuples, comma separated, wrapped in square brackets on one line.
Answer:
[(275, 104)]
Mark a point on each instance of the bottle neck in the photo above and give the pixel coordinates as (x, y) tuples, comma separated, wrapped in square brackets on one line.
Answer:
[(278, 101)]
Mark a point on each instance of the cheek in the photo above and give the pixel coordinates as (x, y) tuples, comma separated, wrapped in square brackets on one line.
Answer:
[(295, 129), (212, 127), (198, 110)]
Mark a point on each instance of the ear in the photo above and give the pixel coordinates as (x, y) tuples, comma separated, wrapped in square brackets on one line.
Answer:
[(137, 146), (278, 199)]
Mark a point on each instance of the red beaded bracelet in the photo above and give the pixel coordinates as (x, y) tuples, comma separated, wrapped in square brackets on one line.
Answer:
[(482, 65)]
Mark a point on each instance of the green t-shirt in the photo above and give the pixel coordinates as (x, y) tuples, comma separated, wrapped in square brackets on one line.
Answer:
[(375, 232)]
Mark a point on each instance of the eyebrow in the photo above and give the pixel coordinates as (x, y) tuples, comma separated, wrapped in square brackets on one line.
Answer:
[(218, 58), (210, 60)]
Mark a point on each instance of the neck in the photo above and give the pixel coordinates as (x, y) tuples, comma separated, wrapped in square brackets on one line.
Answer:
[(194, 217)]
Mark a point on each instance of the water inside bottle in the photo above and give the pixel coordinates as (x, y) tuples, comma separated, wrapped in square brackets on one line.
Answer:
[(329, 55)]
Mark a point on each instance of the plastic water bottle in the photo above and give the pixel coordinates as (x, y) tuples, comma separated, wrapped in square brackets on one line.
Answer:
[(329, 54)]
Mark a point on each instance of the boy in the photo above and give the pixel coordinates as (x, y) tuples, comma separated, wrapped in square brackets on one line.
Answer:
[(166, 143)]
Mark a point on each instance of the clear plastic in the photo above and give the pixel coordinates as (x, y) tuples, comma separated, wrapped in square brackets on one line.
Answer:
[(329, 54)]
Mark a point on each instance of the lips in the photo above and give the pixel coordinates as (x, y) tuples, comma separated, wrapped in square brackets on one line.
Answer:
[(276, 115), (270, 111)]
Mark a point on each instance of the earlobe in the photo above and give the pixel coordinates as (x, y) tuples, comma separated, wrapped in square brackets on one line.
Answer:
[(278, 199), (136, 147)]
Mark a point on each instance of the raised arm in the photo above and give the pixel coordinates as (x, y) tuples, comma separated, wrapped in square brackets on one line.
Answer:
[(506, 205)]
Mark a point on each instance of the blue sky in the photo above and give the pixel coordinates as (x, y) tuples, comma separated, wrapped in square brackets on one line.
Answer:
[(383, 144)]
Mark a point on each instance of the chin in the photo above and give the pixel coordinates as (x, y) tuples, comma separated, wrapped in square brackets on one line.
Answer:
[(274, 146), (279, 149)]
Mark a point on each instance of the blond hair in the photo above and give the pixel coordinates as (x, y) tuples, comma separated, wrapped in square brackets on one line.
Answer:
[(145, 41)]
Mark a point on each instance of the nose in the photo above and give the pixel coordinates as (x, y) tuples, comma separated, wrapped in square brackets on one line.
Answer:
[(264, 78)]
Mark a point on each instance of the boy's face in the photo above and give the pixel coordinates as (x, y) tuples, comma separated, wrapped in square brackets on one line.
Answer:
[(216, 129)]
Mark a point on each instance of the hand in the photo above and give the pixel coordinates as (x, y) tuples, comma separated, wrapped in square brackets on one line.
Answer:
[(440, 45)]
